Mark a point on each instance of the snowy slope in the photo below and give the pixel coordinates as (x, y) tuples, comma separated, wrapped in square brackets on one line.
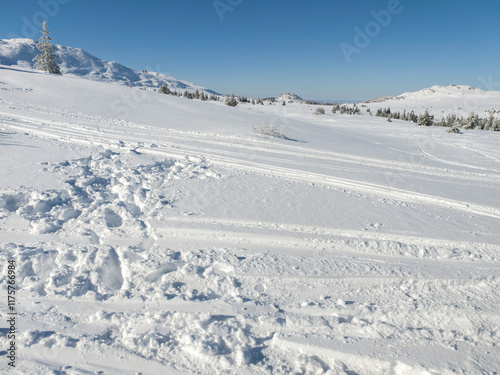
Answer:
[(76, 61), (434, 92), (158, 235), (441, 101)]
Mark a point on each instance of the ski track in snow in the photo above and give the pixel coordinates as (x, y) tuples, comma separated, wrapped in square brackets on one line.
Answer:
[(117, 277), (54, 130)]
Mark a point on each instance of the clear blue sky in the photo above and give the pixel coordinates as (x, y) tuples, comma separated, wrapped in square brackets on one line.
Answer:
[(267, 47)]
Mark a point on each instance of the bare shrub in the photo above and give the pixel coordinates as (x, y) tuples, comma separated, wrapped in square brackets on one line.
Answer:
[(319, 111), (270, 131)]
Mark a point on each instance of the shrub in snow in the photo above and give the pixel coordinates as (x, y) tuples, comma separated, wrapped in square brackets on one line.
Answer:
[(319, 111), (46, 61), (454, 130), (270, 131), (231, 101)]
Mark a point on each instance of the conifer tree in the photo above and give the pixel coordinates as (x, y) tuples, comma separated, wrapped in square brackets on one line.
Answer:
[(164, 89), (496, 126), (46, 61), (231, 101), (426, 119), (472, 121), (413, 117)]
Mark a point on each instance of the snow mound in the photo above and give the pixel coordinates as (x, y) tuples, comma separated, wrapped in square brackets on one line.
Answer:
[(78, 62), (289, 98)]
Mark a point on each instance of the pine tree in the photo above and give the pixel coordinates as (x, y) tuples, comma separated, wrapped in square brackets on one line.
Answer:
[(496, 126), (413, 117), (472, 121), (426, 119), (164, 89), (46, 61), (231, 101), (442, 123)]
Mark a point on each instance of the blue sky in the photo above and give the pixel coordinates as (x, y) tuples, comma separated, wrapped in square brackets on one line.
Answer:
[(263, 48)]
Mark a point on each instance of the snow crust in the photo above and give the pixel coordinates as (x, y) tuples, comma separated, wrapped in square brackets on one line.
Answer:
[(161, 235)]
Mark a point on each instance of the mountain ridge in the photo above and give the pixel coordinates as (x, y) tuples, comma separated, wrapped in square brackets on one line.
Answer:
[(78, 62)]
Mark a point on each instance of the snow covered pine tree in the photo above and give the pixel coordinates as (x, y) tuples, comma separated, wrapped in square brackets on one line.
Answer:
[(46, 61), (231, 101), (426, 119)]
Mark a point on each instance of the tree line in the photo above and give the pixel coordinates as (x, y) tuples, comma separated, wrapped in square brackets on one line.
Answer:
[(426, 119)]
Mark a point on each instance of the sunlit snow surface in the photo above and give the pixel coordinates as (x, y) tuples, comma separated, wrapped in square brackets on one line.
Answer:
[(160, 235)]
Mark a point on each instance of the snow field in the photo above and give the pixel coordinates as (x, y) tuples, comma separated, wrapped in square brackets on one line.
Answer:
[(185, 243)]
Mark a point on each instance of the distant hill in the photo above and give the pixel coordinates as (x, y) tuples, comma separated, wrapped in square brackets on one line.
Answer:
[(289, 98), (78, 62), (433, 92), (441, 101)]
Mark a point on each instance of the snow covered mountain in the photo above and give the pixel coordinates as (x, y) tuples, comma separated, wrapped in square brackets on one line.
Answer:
[(441, 101), (434, 92), (76, 61)]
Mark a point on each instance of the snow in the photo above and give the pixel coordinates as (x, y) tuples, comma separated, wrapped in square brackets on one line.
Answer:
[(441, 101), (289, 98), (155, 234), (77, 62)]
